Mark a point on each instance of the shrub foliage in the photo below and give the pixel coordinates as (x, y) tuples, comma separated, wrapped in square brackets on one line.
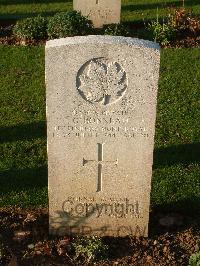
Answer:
[(185, 22), (179, 23), (88, 249), (68, 24), (162, 33), (116, 30), (194, 259), (31, 28)]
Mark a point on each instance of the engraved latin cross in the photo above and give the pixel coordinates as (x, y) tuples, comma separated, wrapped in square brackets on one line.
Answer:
[(100, 162)]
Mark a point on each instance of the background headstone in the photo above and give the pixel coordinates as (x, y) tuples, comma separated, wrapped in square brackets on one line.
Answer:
[(101, 110), (101, 12)]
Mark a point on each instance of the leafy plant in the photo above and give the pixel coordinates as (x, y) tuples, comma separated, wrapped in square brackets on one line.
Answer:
[(116, 30), (182, 21), (68, 24), (194, 259), (161, 33), (31, 28), (179, 22), (90, 249)]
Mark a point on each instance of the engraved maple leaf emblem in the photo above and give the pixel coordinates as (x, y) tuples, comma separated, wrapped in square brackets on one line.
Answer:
[(102, 82)]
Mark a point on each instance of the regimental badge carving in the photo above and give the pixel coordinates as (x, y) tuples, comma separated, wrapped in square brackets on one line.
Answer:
[(101, 81)]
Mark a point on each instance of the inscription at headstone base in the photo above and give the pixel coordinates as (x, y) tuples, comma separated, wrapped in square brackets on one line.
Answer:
[(101, 110), (101, 12)]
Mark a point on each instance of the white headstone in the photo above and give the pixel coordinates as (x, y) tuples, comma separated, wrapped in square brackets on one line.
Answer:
[(101, 111), (101, 12)]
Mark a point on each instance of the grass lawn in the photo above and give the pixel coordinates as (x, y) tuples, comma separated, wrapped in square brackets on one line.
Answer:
[(23, 139), (176, 175), (132, 10)]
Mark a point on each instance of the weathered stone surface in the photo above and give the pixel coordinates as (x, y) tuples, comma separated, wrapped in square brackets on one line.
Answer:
[(101, 12), (101, 110)]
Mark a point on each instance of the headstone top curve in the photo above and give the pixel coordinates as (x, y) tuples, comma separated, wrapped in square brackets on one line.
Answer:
[(102, 39)]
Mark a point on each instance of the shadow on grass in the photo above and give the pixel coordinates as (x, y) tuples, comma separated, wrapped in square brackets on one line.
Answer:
[(27, 2), (179, 154), (185, 212), (12, 18), (22, 179), (189, 206), (128, 7), (136, 7), (23, 132)]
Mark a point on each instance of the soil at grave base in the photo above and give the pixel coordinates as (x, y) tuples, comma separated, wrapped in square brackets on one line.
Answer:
[(24, 240), (186, 42)]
